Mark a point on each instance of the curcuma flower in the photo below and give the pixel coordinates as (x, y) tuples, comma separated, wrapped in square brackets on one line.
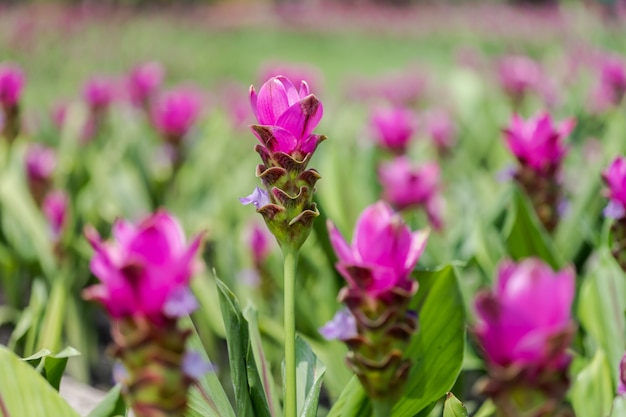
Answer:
[(537, 143), (615, 179), (393, 128), (143, 82), (145, 274), (524, 328), (406, 186), (12, 80), (40, 163), (55, 208), (287, 116), (377, 326)]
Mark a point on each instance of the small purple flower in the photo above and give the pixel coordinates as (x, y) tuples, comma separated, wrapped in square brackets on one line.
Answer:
[(120, 373), (341, 327), (12, 81), (195, 366), (258, 198), (181, 302)]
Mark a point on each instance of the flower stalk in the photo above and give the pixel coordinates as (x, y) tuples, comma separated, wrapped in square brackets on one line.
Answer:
[(290, 266)]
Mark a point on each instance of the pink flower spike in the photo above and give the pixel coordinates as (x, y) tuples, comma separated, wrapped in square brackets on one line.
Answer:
[(260, 243), (528, 309), (176, 111), (393, 128), (12, 80), (615, 178), (40, 162), (519, 74), (55, 207), (100, 92), (383, 245), (144, 81), (146, 270)]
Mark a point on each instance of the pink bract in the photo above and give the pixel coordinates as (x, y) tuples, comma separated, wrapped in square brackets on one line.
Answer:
[(393, 128), (290, 114), (40, 162), (382, 244), (520, 320), (12, 80), (144, 81), (176, 111), (615, 178), (99, 92), (538, 142), (144, 269)]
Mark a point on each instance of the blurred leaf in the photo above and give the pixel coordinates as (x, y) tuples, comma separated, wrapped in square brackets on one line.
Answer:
[(487, 409), (52, 365), (206, 397), (112, 405), (309, 373), (619, 407), (25, 383), (602, 302), (525, 236), (249, 392), (436, 349), (28, 323), (453, 407), (264, 367), (592, 392)]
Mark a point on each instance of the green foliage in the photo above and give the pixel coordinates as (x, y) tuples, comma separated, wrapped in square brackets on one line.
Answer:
[(112, 405), (592, 391), (453, 407), (52, 365)]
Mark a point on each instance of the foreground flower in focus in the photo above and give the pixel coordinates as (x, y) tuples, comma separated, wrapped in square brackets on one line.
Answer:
[(615, 179), (524, 327), (393, 128), (378, 326), (12, 80), (145, 274), (287, 116), (538, 145), (406, 186), (40, 163)]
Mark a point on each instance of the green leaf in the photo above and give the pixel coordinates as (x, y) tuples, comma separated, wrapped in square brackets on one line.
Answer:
[(487, 409), (206, 397), (249, 393), (437, 349), (52, 366), (453, 407), (602, 302), (592, 391), (112, 405), (525, 236), (25, 383), (619, 407), (263, 366), (309, 373)]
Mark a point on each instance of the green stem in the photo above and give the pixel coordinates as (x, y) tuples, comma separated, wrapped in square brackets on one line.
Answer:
[(291, 262), (382, 408)]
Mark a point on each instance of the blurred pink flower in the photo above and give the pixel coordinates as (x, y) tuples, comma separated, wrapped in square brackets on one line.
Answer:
[(526, 320), (176, 111), (146, 270), (441, 129), (287, 116), (54, 207), (615, 178), (99, 92), (383, 254), (59, 116), (398, 89), (260, 241), (611, 86), (519, 74), (407, 186), (12, 80), (538, 142), (40, 162), (393, 128), (144, 81)]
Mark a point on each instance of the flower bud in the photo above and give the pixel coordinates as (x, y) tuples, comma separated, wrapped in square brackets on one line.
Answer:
[(393, 128)]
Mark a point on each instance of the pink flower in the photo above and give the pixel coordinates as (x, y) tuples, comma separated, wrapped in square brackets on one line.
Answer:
[(611, 85), (12, 80), (537, 142), (146, 270), (40, 162), (615, 178), (383, 254), (99, 92), (260, 242), (519, 74), (54, 207), (176, 111), (287, 116), (441, 129), (621, 387), (144, 81), (526, 319), (406, 186), (393, 127)]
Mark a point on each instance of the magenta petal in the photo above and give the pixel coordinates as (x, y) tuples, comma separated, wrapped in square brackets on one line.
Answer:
[(271, 102), (159, 240), (253, 101), (418, 243), (341, 247), (302, 117), (276, 139)]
